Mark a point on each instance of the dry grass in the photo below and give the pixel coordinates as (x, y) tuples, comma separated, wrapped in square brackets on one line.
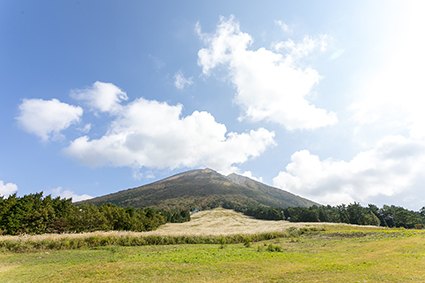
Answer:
[(216, 222), (221, 221)]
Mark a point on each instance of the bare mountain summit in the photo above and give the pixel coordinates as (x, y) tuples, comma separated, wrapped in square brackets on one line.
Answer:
[(203, 189)]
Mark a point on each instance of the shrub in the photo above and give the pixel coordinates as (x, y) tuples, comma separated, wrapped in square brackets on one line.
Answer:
[(272, 248), (222, 242), (247, 242)]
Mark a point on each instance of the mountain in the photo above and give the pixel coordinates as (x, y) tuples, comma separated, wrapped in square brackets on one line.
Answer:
[(203, 188)]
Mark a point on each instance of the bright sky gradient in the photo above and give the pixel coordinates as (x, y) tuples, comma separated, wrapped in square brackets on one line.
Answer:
[(320, 98)]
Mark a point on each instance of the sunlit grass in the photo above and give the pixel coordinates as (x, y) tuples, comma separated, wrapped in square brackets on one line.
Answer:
[(284, 252), (332, 256)]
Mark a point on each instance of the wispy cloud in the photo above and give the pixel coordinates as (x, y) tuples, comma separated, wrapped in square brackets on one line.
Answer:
[(157, 62), (283, 26), (85, 129), (181, 82)]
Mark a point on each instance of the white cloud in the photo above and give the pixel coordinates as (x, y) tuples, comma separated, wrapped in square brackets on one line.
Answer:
[(47, 118), (7, 189), (105, 97), (59, 192), (296, 51), (270, 86), (180, 81), (147, 133), (394, 167)]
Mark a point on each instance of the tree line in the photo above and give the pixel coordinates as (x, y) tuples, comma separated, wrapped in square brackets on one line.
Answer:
[(387, 216), (35, 214)]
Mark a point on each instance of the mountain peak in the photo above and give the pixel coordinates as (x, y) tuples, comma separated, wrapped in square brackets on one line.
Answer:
[(202, 188)]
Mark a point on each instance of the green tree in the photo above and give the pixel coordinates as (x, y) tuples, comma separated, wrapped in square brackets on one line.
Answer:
[(406, 218), (87, 218)]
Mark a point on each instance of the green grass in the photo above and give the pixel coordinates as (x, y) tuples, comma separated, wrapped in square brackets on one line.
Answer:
[(64, 243), (340, 254)]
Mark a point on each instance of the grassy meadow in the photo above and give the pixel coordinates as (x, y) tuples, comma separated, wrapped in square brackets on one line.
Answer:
[(325, 253)]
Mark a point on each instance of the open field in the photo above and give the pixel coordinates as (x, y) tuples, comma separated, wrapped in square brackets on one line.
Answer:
[(341, 253)]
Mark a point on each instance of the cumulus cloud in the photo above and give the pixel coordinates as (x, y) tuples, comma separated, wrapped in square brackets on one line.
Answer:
[(270, 86), (394, 167), (7, 189), (105, 97), (148, 133), (47, 118), (180, 81), (60, 192)]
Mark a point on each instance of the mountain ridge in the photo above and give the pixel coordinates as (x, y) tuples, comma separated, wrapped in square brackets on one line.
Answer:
[(202, 188)]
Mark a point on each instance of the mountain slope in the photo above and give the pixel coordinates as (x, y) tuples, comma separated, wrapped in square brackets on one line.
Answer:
[(285, 197), (201, 188)]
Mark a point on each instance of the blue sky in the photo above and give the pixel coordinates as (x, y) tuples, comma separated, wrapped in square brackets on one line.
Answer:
[(322, 99)]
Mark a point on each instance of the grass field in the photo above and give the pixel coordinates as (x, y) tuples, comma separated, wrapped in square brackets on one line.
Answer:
[(338, 254)]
